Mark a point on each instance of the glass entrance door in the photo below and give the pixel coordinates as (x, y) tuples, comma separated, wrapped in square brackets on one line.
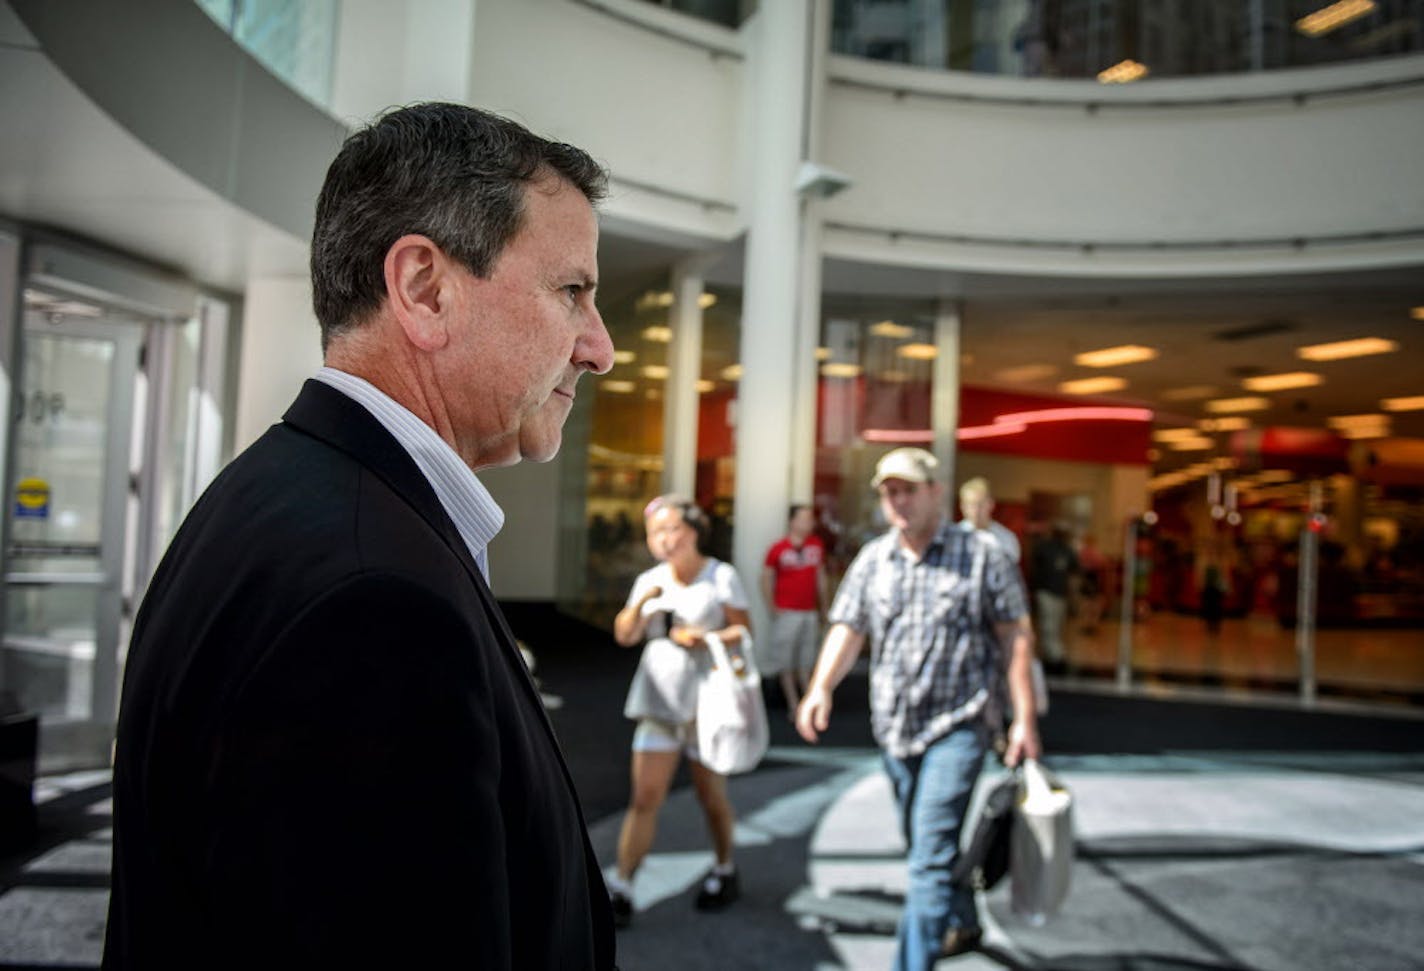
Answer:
[(69, 529)]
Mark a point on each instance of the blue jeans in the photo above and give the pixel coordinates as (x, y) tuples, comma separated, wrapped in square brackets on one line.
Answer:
[(933, 791)]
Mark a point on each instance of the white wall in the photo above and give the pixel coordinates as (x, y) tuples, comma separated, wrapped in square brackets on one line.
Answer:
[(953, 155), (281, 348), (656, 111), (393, 52)]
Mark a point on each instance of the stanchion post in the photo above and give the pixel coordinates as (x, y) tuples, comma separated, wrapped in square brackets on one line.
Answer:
[(1306, 586), (1129, 606)]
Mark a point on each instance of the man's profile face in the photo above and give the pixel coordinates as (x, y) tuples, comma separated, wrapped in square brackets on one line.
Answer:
[(526, 333), (911, 507), (977, 507)]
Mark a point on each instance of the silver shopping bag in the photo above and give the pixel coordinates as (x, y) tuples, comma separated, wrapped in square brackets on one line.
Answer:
[(1041, 852)]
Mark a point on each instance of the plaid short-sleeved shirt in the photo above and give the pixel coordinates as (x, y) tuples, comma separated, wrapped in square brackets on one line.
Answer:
[(935, 660)]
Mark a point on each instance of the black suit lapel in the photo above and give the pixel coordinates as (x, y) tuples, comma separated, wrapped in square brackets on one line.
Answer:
[(325, 413)]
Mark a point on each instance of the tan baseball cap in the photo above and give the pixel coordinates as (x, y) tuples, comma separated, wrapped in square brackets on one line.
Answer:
[(910, 464)]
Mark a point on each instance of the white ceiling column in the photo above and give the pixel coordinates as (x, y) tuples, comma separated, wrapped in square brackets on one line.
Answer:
[(780, 63)]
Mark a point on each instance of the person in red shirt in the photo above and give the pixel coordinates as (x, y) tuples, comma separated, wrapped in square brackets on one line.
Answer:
[(793, 586)]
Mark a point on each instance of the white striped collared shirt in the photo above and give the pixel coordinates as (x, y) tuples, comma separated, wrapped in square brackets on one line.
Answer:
[(465, 499)]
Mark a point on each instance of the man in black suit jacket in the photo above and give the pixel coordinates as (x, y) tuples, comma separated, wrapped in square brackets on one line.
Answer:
[(330, 753)]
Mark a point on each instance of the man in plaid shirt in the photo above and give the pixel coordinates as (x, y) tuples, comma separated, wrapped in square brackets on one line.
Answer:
[(938, 606)]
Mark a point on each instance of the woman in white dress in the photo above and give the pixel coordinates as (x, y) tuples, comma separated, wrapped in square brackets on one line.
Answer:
[(673, 606)]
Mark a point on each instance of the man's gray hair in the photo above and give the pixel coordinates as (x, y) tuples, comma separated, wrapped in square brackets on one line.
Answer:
[(452, 173)]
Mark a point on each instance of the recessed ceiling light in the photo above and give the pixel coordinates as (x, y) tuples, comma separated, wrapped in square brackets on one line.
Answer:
[(1175, 434), (1191, 444), (658, 372), (1282, 382), (1415, 403), (1232, 424), (706, 300), (624, 357), (1229, 405), (888, 328), (917, 352), (839, 369), (1114, 356), (1417, 313), (1193, 392), (704, 386), (732, 372), (1339, 350), (615, 386), (657, 334), (1354, 421), (1123, 72), (1025, 373), (1326, 19), (1092, 385), (823, 353)]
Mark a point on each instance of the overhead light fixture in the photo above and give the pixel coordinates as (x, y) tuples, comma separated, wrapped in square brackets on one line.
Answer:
[(1230, 405), (888, 328), (658, 334), (1417, 313), (1415, 403), (1192, 392), (1339, 350), (839, 369), (1326, 19), (1352, 421), (893, 377), (616, 386), (656, 372), (1282, 382), (1092, 385), (653, 300), (1231, 424), (1026, 373), (917, 352), (732, 372), (1114, 356), (1200, 444), (1175, 434), (1360, 426), (1123, 72), (704, 386), (706, 300), (823, 353), (624, 357)]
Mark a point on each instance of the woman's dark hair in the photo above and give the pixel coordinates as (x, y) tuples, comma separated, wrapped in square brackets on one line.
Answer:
[(452, 173)]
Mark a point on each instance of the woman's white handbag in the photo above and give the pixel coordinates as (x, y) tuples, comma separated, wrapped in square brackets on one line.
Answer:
[(732, 733), (1041, 850), (665, 685)]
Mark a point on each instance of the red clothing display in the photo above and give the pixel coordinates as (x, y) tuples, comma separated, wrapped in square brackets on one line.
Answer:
[(796, 568)]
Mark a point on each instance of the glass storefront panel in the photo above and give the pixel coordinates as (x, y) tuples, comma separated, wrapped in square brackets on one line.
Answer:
[(717, 414), (625, 463), (1128, 38), (294, 39), (1284, 446), (875, 391)]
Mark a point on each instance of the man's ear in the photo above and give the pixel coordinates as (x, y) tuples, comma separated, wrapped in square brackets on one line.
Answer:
[(420, 289)]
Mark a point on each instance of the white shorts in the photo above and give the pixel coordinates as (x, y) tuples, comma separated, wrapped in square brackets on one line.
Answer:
[(795, 638), (652, 735)]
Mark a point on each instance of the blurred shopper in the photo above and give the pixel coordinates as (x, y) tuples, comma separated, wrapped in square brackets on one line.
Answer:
[(330, 753), (977, 505), (1051, 571), (937, 604), (793, 587), (673, 606)]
